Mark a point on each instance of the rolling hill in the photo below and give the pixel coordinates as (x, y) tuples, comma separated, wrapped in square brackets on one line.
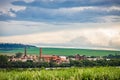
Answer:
[(58, 51)]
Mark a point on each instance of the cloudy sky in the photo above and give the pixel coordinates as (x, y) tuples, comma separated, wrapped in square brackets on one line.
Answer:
[(93, 24)]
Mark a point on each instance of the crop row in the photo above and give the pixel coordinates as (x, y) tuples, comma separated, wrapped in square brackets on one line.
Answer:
[(96, 73)]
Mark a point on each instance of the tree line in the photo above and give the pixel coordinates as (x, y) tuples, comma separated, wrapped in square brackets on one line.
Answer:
[(110, 56), (4, 63), (13, 45)]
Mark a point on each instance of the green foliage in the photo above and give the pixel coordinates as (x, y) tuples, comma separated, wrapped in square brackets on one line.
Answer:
[(18, 55), (3, 59), (96, 73), (53, 64), (73, 63), (111, 56), (13, 45), (64, 65)]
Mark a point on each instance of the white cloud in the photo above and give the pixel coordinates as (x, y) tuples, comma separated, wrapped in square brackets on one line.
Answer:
[(92, 35), (6, 6), (28, 1), (75, 9), (27, 27), (115, 41), (109, 19), (113, 8), (79, 9)]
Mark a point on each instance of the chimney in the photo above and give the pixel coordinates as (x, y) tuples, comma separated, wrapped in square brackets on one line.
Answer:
[(25, 53), (40, 53)]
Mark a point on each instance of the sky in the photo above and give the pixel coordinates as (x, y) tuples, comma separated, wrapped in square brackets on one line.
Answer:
[(88, 24)]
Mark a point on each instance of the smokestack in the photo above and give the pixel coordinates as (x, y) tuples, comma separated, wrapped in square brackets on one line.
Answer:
[(25, 53), (40, 53)]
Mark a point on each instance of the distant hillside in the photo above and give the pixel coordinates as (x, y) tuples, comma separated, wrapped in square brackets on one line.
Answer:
[(59, 51), (8, 48), (13, 45)]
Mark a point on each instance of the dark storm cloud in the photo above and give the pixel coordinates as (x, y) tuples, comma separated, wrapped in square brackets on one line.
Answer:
[(61, 10)]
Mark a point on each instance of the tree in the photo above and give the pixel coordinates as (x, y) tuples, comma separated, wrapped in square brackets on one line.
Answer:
[(18, 55), (76, 63), (3, 60), (64, 65), (53, 64)]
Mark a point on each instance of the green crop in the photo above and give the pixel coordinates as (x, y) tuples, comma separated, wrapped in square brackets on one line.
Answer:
[(96, 73), (61, 51)]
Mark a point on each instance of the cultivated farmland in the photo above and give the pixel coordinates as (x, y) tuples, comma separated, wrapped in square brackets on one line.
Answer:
[(61, 51), (96, 73)]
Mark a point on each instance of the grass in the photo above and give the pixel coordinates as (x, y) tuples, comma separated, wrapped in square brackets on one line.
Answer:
[(62, 51), (96, 73)]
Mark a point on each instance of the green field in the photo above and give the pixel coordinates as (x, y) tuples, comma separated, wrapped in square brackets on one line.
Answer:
[(62, 51), (100, 73)]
